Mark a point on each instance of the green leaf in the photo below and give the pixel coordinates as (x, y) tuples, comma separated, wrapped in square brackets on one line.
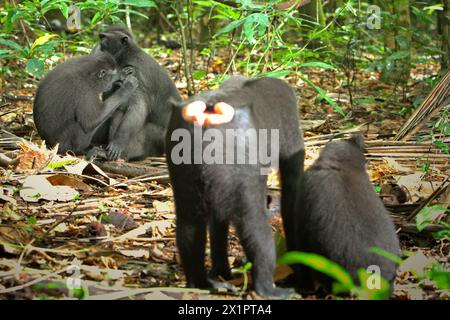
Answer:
[(97, 17), (64, 9), (27, 229), (386, 254), (11, 44), (42, 40), (444, 233), (321, 264), (436, 7), (79, 293), (248, 266), (324, 96), (255, 21), (248, 30), (276, 73), (199, 74), (59, 164), (428, 215), (49, 286), (233, 25), (35, 67), (131, 11), (13, 15), (4, 52), (441, 145), (440, 276), (32, 220), (139, 3), (399, 55), (318, 64)]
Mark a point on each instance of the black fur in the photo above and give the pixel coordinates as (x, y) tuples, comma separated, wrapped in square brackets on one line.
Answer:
[(137, 130), (217, 194), (69, 105), (339, 216)]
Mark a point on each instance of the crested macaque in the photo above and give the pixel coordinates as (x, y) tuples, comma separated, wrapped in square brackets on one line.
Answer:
[(70, 103), (137, 129), (217, 193), (339, 216)]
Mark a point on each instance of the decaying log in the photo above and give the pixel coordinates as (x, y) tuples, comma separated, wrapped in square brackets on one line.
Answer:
[(427, 230)]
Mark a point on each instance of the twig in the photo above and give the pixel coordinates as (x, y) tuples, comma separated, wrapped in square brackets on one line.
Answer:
[(22, 25), (30, 283), (17, 98), (187, 74), (444, 185), (8, 112), (133, 292)]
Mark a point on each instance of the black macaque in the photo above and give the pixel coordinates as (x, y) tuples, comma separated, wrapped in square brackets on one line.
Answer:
[(216, 194), (137, 130), (69, 105), (339, 215), (102, 134)]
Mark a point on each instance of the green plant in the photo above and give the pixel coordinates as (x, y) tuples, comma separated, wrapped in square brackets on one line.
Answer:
[(259, 33), (244, 271), (344, 282), (440, 276), (29, 18)]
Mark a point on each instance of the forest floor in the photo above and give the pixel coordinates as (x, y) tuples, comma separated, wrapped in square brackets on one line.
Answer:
[(64, 220)]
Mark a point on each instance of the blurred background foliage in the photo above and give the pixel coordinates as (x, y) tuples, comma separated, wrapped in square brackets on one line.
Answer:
[(272, 37)]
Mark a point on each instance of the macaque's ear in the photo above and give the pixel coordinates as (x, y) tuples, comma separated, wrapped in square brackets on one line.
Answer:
[(102, 35), (357, 140), (125, 40), (175, 104)]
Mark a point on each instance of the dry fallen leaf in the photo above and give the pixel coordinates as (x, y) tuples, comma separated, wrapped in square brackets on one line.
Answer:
[(395, 166), (417, 187), (416, 264), (66, 180), (158, 295), (37, 187), (32, 157), (6, 194), (138, 253), (163, 207), (88, 168)]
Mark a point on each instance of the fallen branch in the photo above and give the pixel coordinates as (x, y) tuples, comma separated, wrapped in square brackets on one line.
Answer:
[(128, 169), (444, 185), (30, 283)]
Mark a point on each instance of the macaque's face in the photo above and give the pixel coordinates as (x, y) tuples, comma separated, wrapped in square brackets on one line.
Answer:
[(198, 112)]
